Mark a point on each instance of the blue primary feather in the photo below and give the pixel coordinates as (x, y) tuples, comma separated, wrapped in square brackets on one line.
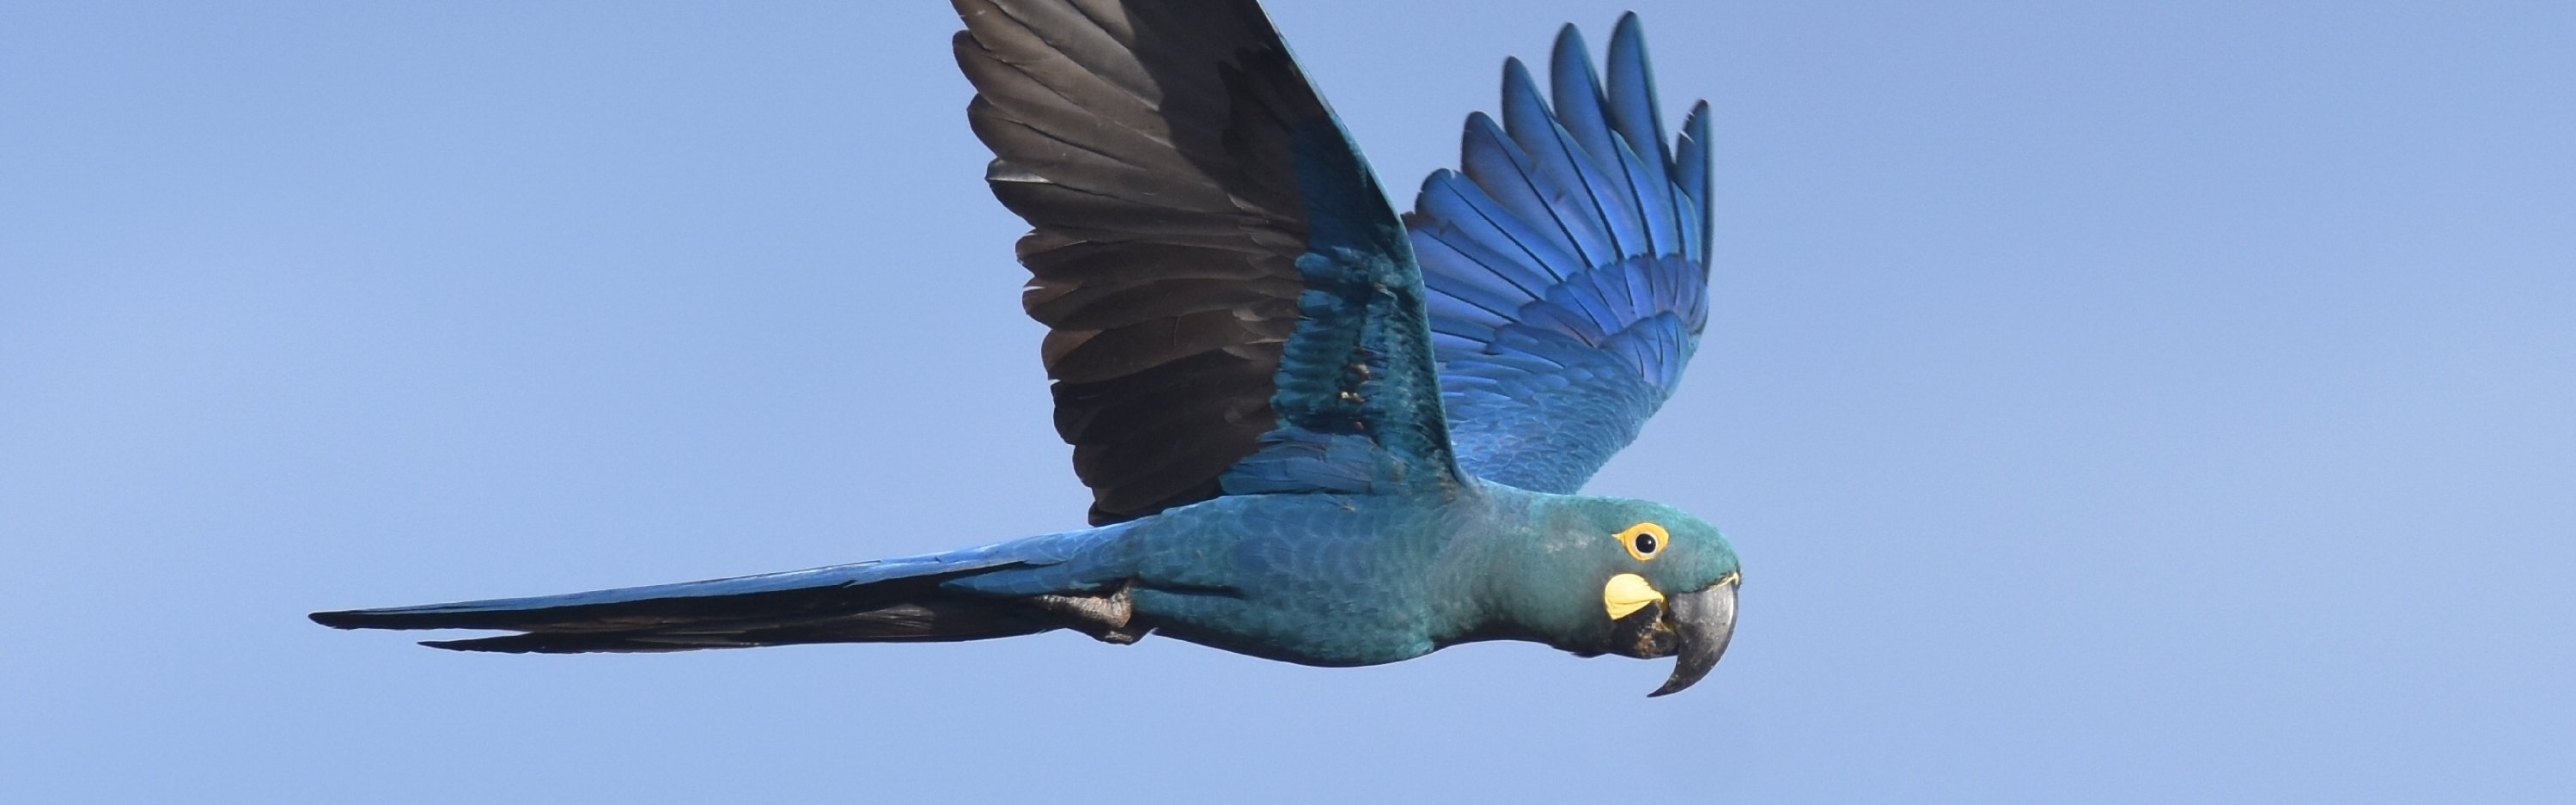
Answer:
[(1638, 118), (1496, 166), (1633, 108), (1571, 185), (1638, 190), (1690, 171), (1567, 266)]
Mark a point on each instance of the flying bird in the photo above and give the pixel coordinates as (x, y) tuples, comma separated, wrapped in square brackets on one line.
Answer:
[(1314, 431)]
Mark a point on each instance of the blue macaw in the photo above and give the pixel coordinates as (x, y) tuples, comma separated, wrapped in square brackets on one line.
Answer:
[(1313, 431)]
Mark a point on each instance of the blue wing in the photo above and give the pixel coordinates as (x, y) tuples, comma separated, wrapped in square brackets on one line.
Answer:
[(1233, 308), (1567, 265)]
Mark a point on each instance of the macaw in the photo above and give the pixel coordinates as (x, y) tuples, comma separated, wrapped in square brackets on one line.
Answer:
[(1313, 431)]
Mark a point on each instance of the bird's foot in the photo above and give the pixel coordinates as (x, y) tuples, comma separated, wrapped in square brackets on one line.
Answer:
[(1106, 617)]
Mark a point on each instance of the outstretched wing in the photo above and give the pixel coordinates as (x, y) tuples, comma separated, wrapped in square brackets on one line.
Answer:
[(1233, 306), (1568, 267)]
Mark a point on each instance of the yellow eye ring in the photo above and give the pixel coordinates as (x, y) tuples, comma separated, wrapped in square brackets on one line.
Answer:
[(1645, 541)]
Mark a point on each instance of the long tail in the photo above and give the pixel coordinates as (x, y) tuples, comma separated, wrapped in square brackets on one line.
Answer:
[(908, 599)]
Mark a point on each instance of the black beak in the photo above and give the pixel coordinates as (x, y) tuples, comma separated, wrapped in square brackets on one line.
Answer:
[(1703, 622)]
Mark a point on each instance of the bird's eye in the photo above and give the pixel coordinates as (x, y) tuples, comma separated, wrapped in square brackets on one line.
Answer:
[(1645, 540)]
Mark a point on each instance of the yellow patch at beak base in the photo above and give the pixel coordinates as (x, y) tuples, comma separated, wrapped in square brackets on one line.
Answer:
[(1626, 593)]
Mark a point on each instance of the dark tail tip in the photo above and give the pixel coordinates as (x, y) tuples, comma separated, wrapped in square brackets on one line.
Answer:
[(344, 619)]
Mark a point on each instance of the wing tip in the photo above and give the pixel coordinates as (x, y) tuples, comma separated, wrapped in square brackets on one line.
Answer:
[(1516, 72), (1629, 26), (1568, 36)]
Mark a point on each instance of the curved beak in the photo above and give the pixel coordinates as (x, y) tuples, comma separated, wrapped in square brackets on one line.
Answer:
[(1703, 622)]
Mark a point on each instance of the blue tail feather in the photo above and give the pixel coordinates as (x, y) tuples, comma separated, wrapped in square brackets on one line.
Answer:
[(892, 599)]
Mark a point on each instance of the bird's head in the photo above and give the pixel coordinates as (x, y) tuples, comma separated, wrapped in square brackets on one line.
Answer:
[(1634, 578)]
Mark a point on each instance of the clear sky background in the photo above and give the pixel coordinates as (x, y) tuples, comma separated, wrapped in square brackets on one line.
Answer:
[(2111, 402)]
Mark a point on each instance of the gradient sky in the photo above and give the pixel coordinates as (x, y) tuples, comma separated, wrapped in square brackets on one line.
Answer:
[(2111, 402)]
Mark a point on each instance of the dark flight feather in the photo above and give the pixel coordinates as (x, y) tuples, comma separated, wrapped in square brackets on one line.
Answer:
[(1175, 167)]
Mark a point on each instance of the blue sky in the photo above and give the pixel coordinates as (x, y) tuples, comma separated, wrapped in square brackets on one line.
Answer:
[(2111, 402)]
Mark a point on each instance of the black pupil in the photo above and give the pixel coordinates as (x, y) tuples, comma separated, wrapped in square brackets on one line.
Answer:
[(1645, 543)]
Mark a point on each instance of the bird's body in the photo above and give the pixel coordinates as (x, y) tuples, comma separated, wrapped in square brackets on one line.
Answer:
[(1331, 580), (1334, 580), (1315, 432)]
